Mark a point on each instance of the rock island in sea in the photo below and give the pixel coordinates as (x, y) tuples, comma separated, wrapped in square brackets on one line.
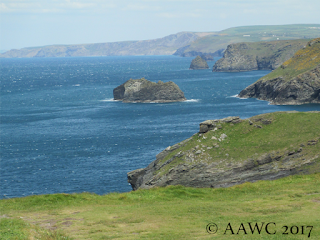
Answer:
[(198, 63), (143, 90)]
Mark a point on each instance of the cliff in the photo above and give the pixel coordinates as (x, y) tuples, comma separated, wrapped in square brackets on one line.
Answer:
[(296, 81), (257, 56), (198, 63), (216, 43), (142, 90), (161, 46), (185, 44), (232, 151)]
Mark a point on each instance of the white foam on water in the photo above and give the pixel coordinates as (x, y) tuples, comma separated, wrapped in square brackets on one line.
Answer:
[(192, 100), (109, 100)]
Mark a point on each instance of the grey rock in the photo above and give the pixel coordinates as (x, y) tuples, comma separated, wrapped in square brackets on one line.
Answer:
[(142, 90), (303, 89), (241, 57), (198, 63)]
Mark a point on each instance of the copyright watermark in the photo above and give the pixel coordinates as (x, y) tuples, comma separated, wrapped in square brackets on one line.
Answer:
[(212, 228), (269, 228)]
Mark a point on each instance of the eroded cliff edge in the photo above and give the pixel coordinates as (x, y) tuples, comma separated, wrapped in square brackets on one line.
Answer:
[(296, 81), (142, 90), (249, 56), (232, 151)]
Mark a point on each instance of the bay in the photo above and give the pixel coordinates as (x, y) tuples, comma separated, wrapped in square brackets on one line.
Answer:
[(61, 131)]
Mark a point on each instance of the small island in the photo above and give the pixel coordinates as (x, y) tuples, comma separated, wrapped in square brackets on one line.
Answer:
[(143, 90), (198, 63)]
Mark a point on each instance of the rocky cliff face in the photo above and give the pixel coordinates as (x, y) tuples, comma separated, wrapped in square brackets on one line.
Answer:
[(232, 151), (198, 63), (142, 90), (257, 56), (296, 81), (302, 89)]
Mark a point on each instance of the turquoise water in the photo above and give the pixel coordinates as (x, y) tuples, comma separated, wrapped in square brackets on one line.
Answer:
[(62, 132)]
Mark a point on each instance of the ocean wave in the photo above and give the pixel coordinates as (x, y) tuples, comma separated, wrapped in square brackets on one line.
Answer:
[(76, 85), (109, 100), (192, 100), (236, 96)]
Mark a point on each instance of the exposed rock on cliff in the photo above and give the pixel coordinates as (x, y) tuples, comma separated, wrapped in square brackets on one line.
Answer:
[(199, 63), (296, 81), (142, 90), (232, 151), (257, 56)]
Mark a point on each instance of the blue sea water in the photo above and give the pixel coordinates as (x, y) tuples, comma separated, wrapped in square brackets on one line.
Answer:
[(62, 132)]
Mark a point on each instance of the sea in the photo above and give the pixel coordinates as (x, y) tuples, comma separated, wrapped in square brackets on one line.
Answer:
[(62, 132)]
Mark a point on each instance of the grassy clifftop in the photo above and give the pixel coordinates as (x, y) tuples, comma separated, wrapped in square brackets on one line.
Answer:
[(173, 212), (303, 60), (249, 56), (220, 40), (296, 81)]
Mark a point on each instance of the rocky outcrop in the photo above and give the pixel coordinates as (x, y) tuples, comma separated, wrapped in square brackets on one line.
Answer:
[(195, 163), (295, 82), (241, 57), (198, 63), (142, 90), (302, 89)]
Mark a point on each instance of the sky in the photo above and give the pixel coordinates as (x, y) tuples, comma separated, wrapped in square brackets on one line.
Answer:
[(30, 23)]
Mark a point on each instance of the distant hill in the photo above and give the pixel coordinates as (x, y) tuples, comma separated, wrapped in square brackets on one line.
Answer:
[(216, 43), (296, 81), (251, 56), (183, 44), (161, 46)]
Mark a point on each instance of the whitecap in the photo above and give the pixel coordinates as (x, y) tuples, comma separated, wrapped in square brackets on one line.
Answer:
[(76, 85), (192, 100), (236, 96), (109, 100)]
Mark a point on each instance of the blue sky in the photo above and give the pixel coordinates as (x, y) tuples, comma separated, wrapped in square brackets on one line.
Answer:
[(26, 23)]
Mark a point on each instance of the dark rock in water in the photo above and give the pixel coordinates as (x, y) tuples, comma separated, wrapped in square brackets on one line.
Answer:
[(142, 90), (199, 63)]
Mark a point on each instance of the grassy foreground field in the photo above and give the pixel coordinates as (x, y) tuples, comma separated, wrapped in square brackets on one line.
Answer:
[(173, 212)]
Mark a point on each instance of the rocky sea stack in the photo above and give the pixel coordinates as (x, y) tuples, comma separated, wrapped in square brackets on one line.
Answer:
[(295, 82), (251, 56), (232, 151), (142, 90), (198, 63)]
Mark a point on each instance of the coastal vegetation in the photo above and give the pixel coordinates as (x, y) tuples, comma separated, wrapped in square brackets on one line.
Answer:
[(296, 81), (232, 151), (186, 44), (219, 41), (251, 56), (173, 212)]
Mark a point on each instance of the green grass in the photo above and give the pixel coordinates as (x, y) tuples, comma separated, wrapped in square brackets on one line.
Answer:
[(220, 40), (173, 212), (286, 132), (304, 60)]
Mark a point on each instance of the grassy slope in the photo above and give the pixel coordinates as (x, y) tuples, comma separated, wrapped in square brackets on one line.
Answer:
[(173, 212), (304, 60), (286, 133), (177, 212), (221, 40)]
